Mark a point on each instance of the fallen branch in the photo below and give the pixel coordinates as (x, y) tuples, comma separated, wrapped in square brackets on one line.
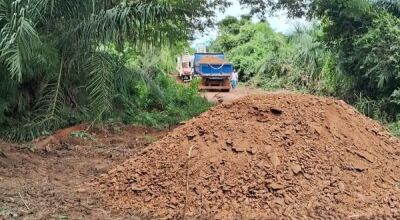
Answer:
[(26, 205), (187, 182)]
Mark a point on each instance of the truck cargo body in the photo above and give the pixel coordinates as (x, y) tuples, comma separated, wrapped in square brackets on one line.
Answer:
[(214, 70)]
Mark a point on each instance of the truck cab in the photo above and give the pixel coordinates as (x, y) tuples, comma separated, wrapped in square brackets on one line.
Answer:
[(185, 67)]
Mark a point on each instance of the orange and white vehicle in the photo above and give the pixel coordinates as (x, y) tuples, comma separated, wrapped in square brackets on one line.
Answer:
[(185, 67)]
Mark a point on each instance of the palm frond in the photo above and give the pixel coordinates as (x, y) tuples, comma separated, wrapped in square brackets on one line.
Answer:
[(100, 87), (51, 101), (18, 39)]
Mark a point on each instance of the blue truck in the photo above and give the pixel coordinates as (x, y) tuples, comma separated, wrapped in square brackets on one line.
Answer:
[(214, 70)]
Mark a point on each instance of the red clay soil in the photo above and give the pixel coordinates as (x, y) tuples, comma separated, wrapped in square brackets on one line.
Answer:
[(62, 135), (50, 184), (212, 60), (234, 94), (278, 156)]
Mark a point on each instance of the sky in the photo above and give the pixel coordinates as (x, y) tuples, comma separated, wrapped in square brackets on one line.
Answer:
[(279, 22)]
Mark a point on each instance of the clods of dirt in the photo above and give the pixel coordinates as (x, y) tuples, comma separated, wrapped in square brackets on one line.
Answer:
[(58, 138), (212, 60), (50, 183), (278, 156)]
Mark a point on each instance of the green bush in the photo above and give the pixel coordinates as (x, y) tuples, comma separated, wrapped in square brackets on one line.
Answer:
[(351, 53), (395, 128), (62, 62), (246, 44), (178, 103)]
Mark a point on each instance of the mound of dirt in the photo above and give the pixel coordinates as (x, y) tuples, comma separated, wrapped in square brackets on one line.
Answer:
[(212, 60), (46, 143), (265, 157)]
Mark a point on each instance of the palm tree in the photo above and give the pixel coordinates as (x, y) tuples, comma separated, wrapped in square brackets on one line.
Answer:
[(310, 54), (56, 49)]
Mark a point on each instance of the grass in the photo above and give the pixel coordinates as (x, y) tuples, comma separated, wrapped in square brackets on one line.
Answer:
[(395, 128), (83, 135), (149, 139), (6, 213), (63, 217)]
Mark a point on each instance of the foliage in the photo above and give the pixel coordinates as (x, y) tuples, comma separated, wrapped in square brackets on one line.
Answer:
[(63, 62), (317, 8), (352, 53), (271, 60), (365, 37), (379, 57), (82, 134), (395, 128), (296, 8), (150, 139), (179, 103), (7, 214), (246, 43)]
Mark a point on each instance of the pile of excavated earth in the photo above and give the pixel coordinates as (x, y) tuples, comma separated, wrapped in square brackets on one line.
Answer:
[(278, 156), (212, 60)]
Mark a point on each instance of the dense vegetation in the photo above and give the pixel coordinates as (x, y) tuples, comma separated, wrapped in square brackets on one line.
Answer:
[(63, 62), (352, 52)]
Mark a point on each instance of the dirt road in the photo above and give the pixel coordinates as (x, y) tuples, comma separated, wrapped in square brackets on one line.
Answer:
[(241, 91), (49, 184), (225, 97), (53, 183)]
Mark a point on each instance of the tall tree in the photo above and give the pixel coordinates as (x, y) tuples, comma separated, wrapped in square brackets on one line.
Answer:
[(300, 8), (295, 8), (53, 53)]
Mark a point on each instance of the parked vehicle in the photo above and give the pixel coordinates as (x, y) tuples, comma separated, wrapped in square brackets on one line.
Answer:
[(214, 70), (185, 67)]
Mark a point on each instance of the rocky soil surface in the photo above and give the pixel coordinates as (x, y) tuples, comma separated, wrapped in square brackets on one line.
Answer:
[(276, 156)]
